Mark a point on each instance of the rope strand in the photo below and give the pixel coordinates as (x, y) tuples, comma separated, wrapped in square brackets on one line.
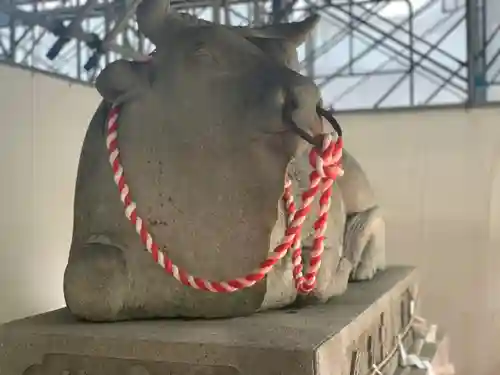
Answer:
[(326, 165)]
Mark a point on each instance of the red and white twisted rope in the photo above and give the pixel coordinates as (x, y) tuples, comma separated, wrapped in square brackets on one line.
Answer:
[(326, 166)]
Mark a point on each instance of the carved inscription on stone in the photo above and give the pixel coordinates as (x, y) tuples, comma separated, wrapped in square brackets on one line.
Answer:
[(382, 336), (355, 362), (369, 351), (378, 341), (67, 364)]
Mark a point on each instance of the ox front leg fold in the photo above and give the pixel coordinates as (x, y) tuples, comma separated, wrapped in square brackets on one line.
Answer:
[(364, 243), (96, 283)]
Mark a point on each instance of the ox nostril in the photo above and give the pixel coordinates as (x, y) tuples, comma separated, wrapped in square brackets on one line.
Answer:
[(290, 102), (300, 103), (302, 95)]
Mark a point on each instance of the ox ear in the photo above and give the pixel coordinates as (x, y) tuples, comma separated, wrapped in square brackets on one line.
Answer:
[(294, 32), (279, 49), (123, 80)]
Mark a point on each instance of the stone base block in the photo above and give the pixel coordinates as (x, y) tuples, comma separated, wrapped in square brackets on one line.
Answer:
[(344, 337)]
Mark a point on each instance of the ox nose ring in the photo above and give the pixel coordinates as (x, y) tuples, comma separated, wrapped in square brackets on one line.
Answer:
[(304, 135), (329, 117), (316, 141)]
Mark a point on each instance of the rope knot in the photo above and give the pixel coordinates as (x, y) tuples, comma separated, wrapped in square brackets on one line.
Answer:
[(327, 161)]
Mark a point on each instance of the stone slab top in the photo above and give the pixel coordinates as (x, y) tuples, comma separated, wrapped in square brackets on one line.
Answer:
[(288, 329)]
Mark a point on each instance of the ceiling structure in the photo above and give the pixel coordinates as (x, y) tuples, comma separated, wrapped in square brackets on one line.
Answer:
[(364, 53)]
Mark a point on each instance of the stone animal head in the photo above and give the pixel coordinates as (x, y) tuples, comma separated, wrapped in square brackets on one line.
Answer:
[(210, 113), (202, 65)]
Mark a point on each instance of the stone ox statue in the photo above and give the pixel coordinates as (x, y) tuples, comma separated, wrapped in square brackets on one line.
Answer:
[(205, 147)]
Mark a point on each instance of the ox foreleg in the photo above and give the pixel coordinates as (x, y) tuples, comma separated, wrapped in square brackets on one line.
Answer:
[(364, 241)]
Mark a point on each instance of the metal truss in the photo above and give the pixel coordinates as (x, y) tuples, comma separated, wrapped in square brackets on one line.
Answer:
[(364, 54)]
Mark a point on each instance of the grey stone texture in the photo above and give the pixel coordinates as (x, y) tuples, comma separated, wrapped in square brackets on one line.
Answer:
[(206, 142), (319, 339)]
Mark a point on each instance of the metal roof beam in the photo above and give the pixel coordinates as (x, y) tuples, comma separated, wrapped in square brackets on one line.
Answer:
[(65, 32), (35, 19)]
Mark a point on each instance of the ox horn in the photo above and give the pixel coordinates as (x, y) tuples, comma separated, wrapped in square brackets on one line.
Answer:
[(154, 15), (295, 32), (151, 16)]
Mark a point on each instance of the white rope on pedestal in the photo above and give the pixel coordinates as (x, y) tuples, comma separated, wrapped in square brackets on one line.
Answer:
[(422, 327), (428, 333), (376, 370), (413, 360), (419, 325)]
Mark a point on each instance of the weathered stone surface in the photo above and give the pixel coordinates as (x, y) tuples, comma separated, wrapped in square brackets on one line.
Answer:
[(206, 140), (317, 340)]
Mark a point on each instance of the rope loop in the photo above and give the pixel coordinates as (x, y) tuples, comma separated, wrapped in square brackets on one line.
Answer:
[(326, 164)]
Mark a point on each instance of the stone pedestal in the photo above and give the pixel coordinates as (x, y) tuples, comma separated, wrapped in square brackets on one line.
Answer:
[(343, 337)]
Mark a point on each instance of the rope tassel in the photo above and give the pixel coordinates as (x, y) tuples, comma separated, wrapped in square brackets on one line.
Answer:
[(326, 165)]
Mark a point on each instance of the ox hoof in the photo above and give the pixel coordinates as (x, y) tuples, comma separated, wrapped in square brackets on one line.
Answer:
[(373, 256), (364, 241), (96, 283), (366, 270)]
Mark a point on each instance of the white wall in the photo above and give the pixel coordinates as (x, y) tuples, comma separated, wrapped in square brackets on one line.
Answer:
[(437, 174), (42, 124)]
